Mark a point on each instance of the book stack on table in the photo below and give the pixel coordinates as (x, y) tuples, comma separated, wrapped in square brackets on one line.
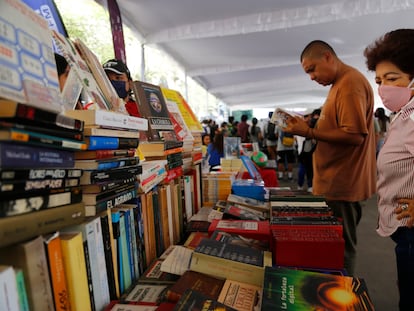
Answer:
[(302, 224)]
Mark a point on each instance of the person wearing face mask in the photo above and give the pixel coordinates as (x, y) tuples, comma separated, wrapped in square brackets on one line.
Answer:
[(344, 157), (120, 77), (392, 58)]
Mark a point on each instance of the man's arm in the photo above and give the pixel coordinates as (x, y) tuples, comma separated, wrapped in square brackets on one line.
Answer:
[(297, 126)]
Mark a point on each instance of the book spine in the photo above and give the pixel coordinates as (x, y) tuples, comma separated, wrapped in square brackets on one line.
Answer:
[(44, 140), (107, 186), (106, 164), (66, 133), (27, 112), (20, 206), (22, 227), (75, 269), (9, 295), (107, 248), (104, 154), (92, 210), (115, 218), (96, 176), (25, 156), (31, 185), (21, 290), (57, 274), (39, 174)]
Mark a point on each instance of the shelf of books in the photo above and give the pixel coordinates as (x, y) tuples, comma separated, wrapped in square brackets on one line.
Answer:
[(103, 211)]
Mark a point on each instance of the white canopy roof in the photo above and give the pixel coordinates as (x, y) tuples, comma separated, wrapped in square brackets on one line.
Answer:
[(246, 52)]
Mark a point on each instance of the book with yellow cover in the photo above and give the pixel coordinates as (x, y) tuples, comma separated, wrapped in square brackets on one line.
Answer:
[(241, 296), (75, 269)]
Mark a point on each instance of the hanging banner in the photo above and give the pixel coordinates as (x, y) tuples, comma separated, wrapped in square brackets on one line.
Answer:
[(117, 30), (49, 11)]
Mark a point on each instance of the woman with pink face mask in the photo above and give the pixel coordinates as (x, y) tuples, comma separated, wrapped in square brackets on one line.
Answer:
[(392, 59)]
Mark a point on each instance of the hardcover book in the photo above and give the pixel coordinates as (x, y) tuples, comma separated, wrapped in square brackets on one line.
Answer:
[(38, 174), (108, 143), (230, 261), (259, 230), (208, 285), (104, 154), (241, 296), (151, 105), (148, 293), (194, 300), (286, 289), (105, 164), (153, 274)]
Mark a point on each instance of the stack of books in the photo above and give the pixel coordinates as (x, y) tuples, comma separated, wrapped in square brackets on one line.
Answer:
[(110, 165), (37, 172), (302, 224)]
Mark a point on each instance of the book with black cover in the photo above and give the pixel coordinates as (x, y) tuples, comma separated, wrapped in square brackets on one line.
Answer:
[(287, 289), (38, 174), (151, 105), (17, 135), (196, 301), (12, 111)]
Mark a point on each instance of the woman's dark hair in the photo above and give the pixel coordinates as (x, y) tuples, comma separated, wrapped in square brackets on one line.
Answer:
[(218, 142), (383, 119), (396, 47)]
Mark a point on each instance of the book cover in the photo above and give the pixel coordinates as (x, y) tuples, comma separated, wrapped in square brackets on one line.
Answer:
[(108, 119), (38, 127), (91, 130), (154, 274), (105, 164), (30, 256), (194, 239), (110, 202), (259, 230), (108, 143), (148, 293), (230, 261), (28, 71), (288, 289), (38, 174), (19, 228), (15, 156), (107, 239), (9, 295), (196, 301), (16, 187), (35, 202), (75, 268), (104, 154), (178, 260), (57, 272), (234, 238), (21, 290), (96, 176), (17, 135), (241, 296), (92, 235), (107, 185), (208, 285), (151, 105)]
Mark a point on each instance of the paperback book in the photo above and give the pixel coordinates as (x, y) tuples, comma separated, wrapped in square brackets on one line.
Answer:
[(287, 289)]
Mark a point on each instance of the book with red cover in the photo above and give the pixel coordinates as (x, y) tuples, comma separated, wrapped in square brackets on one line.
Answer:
[(308, 247), (259, 230), (203, 283)]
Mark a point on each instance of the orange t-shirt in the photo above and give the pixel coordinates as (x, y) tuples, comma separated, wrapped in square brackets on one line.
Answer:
[(344, 172)]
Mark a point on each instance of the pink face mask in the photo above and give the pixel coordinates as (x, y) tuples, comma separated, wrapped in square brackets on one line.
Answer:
[(395, 97)]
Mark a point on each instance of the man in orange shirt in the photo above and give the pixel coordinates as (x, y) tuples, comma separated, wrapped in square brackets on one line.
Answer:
[(344, 158)]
